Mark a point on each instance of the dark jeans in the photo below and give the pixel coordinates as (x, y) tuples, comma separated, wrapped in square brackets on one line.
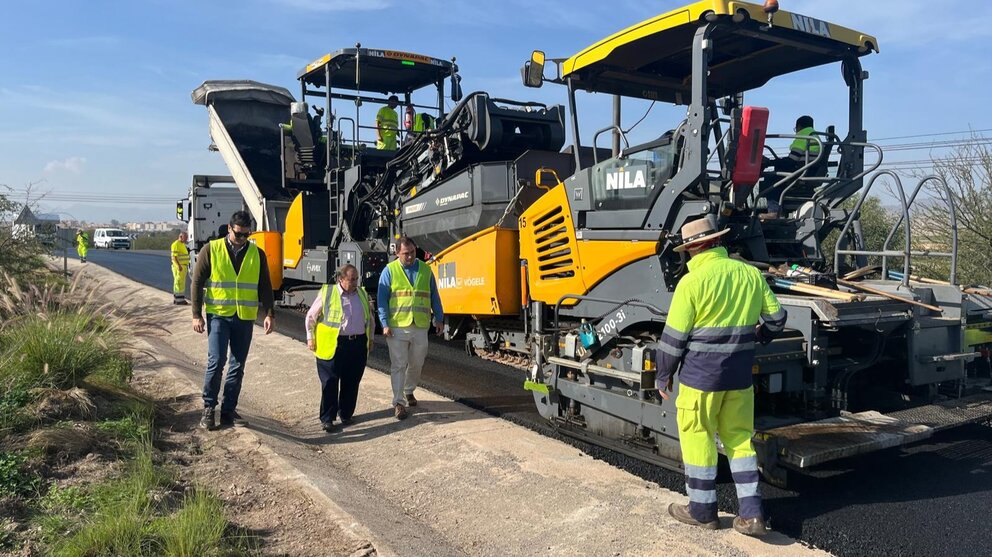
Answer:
[(224, 332), (342, 373)]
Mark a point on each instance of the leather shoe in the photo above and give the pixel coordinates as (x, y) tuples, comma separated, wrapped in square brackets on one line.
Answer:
[(401, 412), (750, 526), (411, 400), (681, 513)]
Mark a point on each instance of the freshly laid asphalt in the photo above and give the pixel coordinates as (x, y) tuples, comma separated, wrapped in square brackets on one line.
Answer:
[(933, 498)]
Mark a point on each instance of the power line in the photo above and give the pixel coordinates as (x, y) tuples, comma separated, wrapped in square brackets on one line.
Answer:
[(932, 134)]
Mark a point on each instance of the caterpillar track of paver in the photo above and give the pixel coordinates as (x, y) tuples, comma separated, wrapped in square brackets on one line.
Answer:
[(561, 262)]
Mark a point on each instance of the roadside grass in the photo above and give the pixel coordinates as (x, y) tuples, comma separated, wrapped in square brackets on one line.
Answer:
[(66, 361), (141, 514)]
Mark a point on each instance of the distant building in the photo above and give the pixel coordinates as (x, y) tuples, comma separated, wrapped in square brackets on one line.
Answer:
[(41, 226)]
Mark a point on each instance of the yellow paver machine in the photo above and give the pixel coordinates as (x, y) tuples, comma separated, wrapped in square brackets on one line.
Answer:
[(575, 288)]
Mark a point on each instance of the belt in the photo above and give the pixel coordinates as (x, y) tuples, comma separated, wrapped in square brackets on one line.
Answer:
[(352, 337)]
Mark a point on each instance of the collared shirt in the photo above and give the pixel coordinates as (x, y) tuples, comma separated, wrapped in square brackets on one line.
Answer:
[(353, 322), (385, 289)]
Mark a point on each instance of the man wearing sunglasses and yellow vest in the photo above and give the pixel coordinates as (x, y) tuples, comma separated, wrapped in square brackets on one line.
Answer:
[(231, 282)]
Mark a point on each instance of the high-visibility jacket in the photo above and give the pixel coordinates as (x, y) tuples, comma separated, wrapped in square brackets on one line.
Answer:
[(711, 323), (423, 121), (229, 293), (180, 253), (409, 304), (801, 147), (332, 316), (388, 122)]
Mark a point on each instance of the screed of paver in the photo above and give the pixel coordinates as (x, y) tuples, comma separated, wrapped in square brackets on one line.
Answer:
[(481, 485)]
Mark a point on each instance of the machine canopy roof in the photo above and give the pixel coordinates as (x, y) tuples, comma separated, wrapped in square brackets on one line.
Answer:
[(653, 59), (380, 71)]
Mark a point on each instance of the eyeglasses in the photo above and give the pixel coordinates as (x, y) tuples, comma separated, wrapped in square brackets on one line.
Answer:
[(241, 234)]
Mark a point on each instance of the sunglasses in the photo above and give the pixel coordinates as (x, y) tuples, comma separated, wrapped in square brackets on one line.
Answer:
[(241, 234)]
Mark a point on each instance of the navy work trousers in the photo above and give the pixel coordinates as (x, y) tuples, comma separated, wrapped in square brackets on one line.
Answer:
[(224, 333), (339, 378)]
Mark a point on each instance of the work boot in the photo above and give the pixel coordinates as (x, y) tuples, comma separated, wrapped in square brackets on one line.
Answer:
[(327, 426), (411, 400), (347, 421), (401, 412), (232, 418), (207, 420), (681, 513), (750, 526)]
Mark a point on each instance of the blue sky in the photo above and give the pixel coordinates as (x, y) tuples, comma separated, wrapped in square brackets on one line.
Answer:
[(94, 95)]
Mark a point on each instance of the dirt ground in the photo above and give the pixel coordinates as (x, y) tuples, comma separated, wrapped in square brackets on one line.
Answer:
[(260, 498)]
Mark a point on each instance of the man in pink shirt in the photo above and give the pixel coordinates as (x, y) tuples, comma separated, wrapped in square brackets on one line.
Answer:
[(339, 333)]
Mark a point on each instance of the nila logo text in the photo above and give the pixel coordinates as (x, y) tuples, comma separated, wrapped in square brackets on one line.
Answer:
[(622, 179)]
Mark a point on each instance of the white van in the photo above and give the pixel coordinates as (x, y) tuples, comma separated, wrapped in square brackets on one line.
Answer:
[(108, 238)]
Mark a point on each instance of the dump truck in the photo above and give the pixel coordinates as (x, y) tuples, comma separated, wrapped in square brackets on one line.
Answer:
[(561, 262)]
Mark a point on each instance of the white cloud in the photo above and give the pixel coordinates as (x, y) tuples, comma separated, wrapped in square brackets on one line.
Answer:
[(73, 165), (335, 5)]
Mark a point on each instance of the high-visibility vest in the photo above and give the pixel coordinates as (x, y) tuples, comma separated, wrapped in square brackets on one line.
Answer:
[(423, 121), (329, 325), (180, 253), (82, 241), (802, 146), (388, 122), (228, 293), (409, 304)]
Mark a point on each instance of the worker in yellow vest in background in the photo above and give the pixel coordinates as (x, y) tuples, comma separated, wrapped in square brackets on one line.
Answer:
[(82, 245), (387, 122), (339, 332), (231, 283), (180, 268)]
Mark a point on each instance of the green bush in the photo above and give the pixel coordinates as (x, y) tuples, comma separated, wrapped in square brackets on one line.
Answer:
[(14, 478), (132, 428), (58, 351), (197, 528), (156, 240)]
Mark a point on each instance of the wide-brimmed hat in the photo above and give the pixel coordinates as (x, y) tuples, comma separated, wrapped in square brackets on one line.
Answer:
[(699, 231)]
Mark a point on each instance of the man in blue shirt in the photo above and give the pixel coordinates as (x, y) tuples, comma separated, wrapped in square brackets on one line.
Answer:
[(406, 300)]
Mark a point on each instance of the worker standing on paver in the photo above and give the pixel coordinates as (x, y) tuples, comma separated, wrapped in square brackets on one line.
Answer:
[(231, 282), (82, 245), (711, 329), (387, 123), (180, 268), (339, 332), (406, 298)]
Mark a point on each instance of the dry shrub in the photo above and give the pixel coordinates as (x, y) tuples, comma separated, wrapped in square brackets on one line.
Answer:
[(55, 404), (62, 443)]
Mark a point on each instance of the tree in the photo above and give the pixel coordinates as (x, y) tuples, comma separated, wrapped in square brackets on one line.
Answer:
[(876, 222), (968, 173), (19, 255)]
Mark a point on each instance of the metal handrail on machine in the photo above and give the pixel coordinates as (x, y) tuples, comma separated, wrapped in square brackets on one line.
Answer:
[(954, 227)]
